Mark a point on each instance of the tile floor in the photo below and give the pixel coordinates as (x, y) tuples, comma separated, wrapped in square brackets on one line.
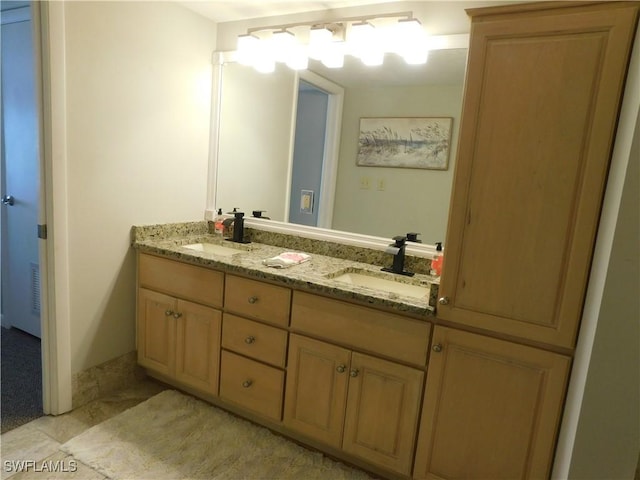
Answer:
[(29, 450)]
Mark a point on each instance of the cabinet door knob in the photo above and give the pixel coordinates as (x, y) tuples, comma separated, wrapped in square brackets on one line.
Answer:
[(177, 315), (341, 368), (247, 383), (354, 372), (443, 300), (168, 313), (249, 340), (437, 348), (253, 299)]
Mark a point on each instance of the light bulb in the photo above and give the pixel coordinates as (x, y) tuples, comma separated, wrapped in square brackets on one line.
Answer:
[(411, 42), (365, 43), (319, 39), (282, 43), (247, 49), (333, 56), (297, 58)]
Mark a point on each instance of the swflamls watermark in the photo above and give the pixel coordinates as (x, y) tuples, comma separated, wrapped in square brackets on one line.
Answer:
[(51, 466)]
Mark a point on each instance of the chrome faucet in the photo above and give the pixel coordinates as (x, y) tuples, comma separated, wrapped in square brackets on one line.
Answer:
[(397, 249)]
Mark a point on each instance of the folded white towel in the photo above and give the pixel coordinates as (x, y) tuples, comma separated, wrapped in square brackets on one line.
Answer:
[(286, 259)]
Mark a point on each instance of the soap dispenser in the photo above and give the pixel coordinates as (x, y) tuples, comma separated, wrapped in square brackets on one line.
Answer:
[(438, 261), (218, 226)]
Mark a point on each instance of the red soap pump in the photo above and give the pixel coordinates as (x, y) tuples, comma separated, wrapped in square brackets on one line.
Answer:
[(438, 261), (218, 226)]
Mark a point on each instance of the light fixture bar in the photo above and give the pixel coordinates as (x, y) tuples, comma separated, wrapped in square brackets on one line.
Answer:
[(363, 18), (368, 38)]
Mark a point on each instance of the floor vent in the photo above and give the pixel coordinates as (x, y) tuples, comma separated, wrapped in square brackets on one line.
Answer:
[(35, 289)]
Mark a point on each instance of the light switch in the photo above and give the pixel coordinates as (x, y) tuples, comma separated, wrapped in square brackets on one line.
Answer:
[(365, 183), (380, 185)]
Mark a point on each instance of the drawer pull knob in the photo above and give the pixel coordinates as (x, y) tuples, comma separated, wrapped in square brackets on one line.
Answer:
[(443, 300), (437, 347), (177, 315), (249, 340), (168, 313), (354, 373), (253, 299), (247, 383), (341, 368)]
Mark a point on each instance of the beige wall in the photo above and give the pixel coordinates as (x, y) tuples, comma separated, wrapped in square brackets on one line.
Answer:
[(414, 200), (608, 434), (138, 103)]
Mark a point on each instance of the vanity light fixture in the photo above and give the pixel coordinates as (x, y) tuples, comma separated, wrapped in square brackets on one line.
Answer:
[(367, 38)]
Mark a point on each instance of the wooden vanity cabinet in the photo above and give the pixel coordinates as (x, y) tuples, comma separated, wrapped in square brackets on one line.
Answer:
[(177, 338), (254, 350), (316, 393), (491, 408), (365, 405), (156, 332), (257, 300), (543, 89)]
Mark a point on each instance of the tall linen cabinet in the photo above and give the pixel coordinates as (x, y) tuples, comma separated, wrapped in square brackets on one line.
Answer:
[(543, 91)]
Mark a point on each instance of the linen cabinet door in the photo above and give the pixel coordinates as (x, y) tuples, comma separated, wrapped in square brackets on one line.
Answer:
[(491, 409), (156, 331), (382, 412), (541, 103), (198, 346), (316, 392)]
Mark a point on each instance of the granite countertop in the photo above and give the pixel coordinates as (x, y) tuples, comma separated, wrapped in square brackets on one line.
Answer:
[(315, 275)]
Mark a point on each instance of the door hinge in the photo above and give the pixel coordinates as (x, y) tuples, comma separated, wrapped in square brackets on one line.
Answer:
[(42, 231)]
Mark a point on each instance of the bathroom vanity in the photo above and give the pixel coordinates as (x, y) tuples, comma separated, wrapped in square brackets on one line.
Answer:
[(383, 380)]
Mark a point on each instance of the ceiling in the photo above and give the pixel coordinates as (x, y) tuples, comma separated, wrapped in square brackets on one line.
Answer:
[(233, 10)]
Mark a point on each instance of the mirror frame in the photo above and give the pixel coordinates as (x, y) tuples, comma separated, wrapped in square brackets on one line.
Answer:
[(347, 238)]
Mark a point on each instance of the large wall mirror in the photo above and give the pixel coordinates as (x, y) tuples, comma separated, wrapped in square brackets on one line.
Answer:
[(256, 140)]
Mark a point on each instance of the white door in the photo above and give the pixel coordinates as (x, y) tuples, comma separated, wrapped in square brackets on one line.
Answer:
[(20, 173)]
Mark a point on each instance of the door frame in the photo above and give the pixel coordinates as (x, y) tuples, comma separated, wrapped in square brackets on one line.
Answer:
[(49, 50), (331, 152)]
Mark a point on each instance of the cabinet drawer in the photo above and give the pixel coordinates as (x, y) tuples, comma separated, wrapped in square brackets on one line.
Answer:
[(363, 328), (252, 385), (255, 340), (259, 300), (190, 282)]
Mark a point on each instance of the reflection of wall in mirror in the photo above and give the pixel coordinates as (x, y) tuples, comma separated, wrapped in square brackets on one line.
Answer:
[(410, 200), (255, 140)]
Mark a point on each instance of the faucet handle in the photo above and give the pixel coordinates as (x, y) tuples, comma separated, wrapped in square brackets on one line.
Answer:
[(413, 237), (400, 240)]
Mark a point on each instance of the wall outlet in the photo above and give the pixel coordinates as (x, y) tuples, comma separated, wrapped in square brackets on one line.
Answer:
[(365, 183)]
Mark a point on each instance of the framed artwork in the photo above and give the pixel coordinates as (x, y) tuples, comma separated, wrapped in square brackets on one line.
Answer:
[(411, 142)]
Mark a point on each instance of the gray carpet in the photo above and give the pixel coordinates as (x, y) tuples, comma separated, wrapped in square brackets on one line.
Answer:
[(21, 381)]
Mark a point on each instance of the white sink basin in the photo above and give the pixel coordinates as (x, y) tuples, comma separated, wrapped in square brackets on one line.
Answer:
[(212, 248), (377, 283)]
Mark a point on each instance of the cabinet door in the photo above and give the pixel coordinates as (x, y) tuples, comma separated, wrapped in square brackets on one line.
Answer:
[(382, 412), (541, 102), (198, 346), (316, 392), (491, 409), (156, 331)]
